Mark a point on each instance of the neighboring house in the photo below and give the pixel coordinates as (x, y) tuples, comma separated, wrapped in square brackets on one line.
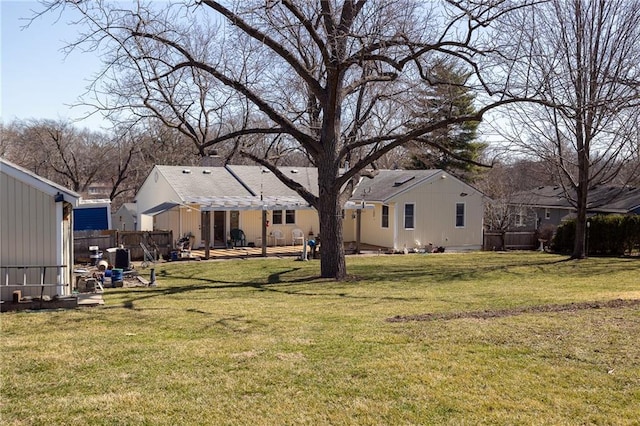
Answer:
[(548, 205), (36, 233), (97, 190), (125, 218), (414, 209), (92, 215), (398, 209)]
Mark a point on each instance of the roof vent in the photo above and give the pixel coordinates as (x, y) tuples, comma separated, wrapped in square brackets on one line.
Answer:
[(404, 180), (294, 171), (206, 172), (186, 171)]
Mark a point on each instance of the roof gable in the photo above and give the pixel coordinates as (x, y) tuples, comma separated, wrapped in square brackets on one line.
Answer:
[(388, 184), (38, 182)]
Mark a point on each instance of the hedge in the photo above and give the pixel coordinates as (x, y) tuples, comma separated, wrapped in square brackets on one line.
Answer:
[(611, 235)]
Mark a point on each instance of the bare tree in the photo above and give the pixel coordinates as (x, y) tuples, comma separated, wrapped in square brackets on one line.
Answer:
[(335, 80), (504, 185), (585, 56), (60, 152)]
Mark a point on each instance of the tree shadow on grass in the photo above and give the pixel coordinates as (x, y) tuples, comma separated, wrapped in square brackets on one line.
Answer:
[(281, 282), (276, 282), (455, 271)]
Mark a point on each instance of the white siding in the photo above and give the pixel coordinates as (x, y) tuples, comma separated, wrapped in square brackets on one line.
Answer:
[(28, 233), (152, 193), (372, 231), (435, 215)]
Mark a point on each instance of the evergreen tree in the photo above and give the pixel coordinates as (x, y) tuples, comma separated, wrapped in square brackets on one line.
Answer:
[(446, 97)]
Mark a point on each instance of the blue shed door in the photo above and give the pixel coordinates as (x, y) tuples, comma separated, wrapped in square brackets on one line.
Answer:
[(94, 218)]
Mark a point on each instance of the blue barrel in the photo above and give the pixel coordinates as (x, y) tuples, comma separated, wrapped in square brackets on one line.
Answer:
[(116, 276)]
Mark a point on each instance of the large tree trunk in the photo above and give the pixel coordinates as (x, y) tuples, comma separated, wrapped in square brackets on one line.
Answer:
[(332, 260)]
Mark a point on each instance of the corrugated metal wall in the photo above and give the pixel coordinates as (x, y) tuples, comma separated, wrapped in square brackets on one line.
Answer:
[(28, 231)]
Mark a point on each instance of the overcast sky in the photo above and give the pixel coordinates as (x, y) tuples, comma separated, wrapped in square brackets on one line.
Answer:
[(37, 80)]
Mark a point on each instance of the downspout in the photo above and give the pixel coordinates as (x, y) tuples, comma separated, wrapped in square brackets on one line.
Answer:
[(396, 221)]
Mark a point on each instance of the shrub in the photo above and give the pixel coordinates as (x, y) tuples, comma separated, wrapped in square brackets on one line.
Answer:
[(611, 235)]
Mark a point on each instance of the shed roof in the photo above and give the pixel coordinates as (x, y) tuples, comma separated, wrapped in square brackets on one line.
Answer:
[(38, 182)]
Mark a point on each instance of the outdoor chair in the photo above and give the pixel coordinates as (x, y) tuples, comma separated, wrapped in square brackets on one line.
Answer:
[(277, 236), (297, 235), (238, 238)]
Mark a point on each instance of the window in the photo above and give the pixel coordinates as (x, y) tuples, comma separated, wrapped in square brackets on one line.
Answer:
[(277, 217), (409, 218), (385, 216), (459, 215), (290, 217), (520, 217), (280, 217), (547, 214), (234, 219)]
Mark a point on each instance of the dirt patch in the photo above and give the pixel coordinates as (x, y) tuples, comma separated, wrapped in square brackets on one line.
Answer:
[(569, 307)]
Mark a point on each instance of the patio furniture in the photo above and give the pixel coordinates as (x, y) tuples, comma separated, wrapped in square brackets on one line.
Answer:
[(277, 235), (238, 238), (297, 235)]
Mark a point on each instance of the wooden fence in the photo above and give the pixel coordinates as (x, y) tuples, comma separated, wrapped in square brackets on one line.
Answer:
[(513, 240), (159, 243)]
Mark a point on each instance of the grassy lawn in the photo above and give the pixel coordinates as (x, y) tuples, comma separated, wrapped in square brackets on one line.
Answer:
[(265, 342)]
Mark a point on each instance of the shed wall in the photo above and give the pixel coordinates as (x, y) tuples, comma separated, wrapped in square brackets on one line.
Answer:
[(28, 232)]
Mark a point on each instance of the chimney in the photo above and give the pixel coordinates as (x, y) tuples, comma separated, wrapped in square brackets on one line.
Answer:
[(212, 160)]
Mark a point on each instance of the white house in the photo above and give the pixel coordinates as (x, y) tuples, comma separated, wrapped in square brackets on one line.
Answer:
[(36, 234), (414, 209), (396, 209)]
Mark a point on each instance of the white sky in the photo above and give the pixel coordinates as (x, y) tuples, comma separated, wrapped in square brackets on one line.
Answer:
[(37, 80)]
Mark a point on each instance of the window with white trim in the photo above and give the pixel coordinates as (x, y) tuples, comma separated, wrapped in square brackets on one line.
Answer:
[(460, 215), (385, 216), (409, 216)]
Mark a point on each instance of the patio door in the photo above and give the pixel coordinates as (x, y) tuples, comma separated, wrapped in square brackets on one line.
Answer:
[(219, 231)]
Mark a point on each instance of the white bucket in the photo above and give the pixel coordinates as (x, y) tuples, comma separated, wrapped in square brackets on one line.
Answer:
[(102, 265)]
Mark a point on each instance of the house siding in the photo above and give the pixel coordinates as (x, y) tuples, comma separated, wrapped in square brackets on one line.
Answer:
[(435, 216), (251, 220), (372, 231)]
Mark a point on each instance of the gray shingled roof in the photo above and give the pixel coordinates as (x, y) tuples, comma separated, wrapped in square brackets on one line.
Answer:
[(194, 181), (258, 179), (389, 183), (607, 199), (236, 187)]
